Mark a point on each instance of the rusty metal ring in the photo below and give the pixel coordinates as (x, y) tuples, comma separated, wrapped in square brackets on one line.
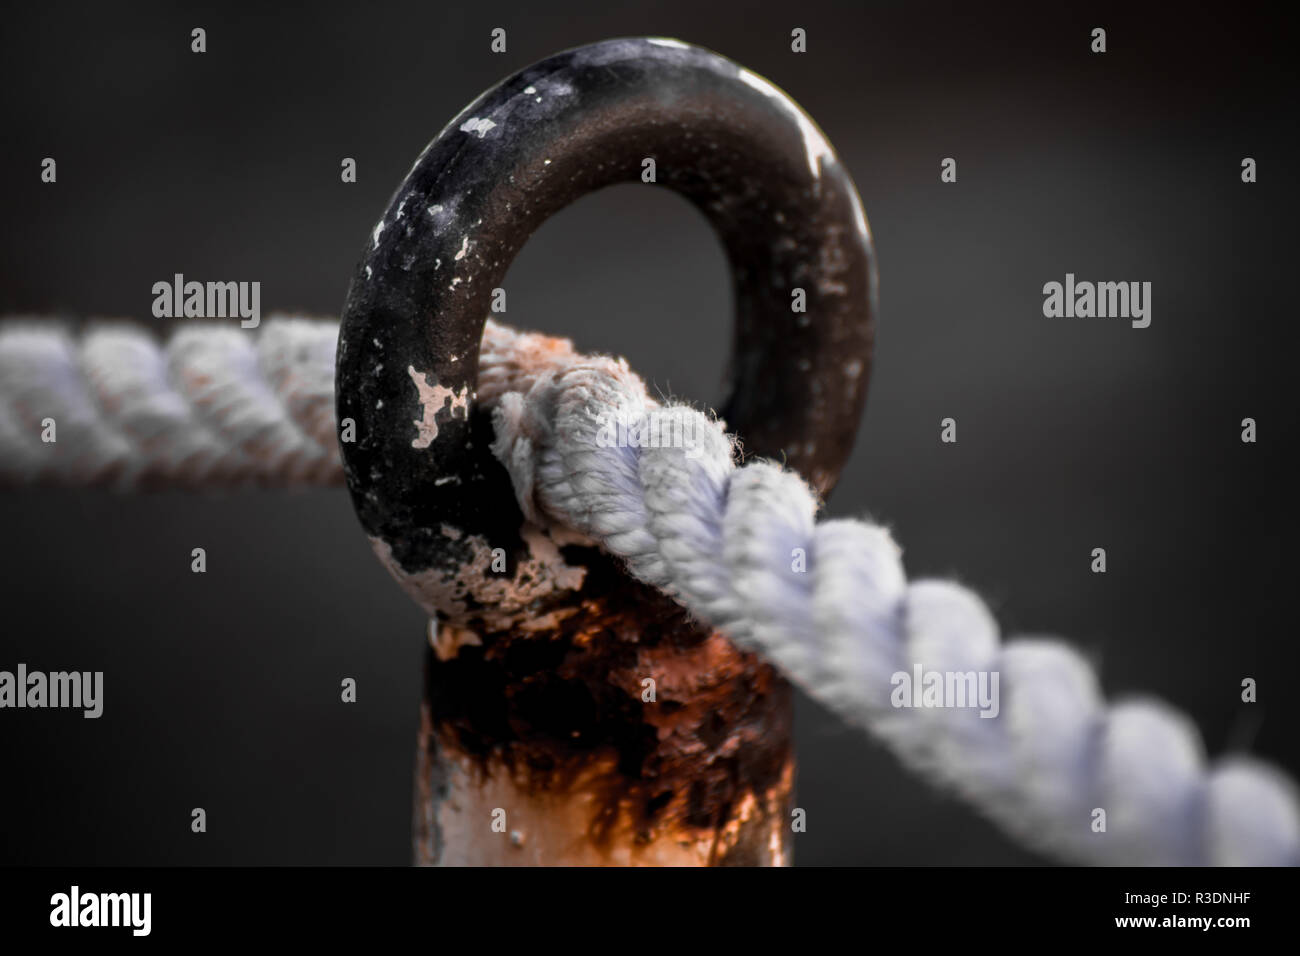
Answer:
[(742, 151)]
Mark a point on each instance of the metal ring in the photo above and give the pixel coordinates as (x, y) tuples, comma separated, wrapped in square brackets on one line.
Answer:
[(742, 151)]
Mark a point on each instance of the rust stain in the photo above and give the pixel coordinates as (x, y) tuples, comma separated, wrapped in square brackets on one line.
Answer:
[(556, 708)]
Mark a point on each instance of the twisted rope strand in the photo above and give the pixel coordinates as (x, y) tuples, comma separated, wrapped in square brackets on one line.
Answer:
[(726, 542), (828, 602), (215, 407)]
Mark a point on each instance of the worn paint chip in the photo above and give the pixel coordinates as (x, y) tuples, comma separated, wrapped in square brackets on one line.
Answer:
[(434, 398), (477, 125)]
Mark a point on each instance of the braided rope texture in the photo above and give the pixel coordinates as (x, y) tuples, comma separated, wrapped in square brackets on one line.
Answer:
[(660, 487)]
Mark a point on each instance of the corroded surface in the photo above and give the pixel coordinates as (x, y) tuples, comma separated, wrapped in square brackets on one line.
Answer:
[(550, 726)]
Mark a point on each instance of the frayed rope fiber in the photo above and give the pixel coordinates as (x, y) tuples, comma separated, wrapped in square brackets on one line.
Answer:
[(739, 546)]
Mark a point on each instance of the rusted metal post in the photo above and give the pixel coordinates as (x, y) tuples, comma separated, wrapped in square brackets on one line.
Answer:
[(538, 741), (551, 727)]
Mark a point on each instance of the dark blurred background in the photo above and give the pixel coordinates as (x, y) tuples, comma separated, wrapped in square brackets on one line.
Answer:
[(222, 690)]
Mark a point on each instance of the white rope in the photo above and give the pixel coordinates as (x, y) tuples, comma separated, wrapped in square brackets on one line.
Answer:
[(218, 407), (215, 406), (726, 541)]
